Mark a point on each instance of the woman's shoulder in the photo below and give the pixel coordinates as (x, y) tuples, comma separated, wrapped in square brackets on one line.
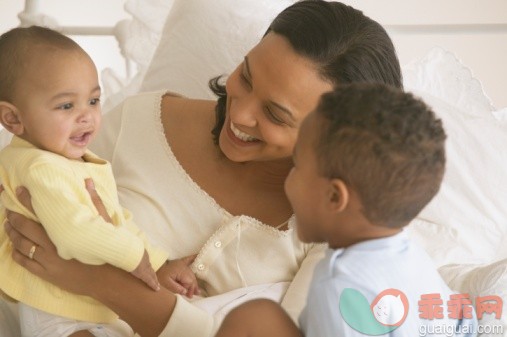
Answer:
[(187, 120), (171, 108), (176, 109)]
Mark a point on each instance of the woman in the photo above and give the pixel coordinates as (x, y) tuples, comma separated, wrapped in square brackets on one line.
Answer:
[(221, 195)]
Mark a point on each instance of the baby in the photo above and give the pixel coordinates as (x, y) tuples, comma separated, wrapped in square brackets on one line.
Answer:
[(366, 162), (50, 101)]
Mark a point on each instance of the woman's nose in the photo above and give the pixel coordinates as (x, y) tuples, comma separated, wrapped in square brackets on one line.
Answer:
[(245, 110)]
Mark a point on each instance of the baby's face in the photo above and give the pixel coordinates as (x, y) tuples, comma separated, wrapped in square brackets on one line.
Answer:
[(59, 102)]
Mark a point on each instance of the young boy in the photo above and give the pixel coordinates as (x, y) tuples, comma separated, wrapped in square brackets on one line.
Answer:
[(50, 101), (366, 162)]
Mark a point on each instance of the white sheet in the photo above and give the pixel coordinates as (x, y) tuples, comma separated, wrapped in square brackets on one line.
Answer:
[(221, 304)]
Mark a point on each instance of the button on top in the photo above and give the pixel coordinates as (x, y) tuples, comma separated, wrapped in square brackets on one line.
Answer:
[(218, 244), (200, 267)]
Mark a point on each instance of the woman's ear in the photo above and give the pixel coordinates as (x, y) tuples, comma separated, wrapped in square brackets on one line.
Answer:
[(339, 195), (9, 117)]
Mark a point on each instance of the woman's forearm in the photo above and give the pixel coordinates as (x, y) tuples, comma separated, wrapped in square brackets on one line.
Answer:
[(145, 310)]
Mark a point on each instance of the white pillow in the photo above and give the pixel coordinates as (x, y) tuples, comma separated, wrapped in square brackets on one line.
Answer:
[(441, 74), (138, 38), (480, 280), (501, 115), (467, 219), (150, 13), (464, 227), (202, 39)]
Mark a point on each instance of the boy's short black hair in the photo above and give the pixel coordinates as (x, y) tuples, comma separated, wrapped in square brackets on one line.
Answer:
[(386, 145)]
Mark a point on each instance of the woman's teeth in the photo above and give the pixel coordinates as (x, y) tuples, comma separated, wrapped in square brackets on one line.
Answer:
[(241, 135)]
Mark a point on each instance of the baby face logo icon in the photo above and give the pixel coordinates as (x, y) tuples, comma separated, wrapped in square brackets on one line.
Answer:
[(390, 307), (386, 313)]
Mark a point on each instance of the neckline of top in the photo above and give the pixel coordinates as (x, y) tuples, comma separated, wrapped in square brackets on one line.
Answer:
[(159, 127)]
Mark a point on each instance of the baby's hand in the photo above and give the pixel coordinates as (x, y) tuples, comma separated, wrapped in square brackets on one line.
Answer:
[(177, 276), (145, 273)]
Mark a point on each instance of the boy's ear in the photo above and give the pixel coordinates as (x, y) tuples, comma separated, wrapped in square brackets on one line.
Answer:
[(339, 195), (9, 117)]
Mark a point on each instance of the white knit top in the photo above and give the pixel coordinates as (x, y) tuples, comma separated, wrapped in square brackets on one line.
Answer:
[(180, 217)]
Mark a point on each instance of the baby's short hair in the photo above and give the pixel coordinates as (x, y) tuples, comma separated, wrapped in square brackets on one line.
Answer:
[(386, 145), (17, 47)]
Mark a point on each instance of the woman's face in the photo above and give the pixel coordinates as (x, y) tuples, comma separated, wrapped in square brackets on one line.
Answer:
[(268, 96)]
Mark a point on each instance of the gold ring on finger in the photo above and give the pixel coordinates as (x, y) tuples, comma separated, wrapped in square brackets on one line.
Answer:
[(32, 252)]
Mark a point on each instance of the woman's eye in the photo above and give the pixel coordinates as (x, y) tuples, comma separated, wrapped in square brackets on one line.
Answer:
[(273, 117), (245, 80)]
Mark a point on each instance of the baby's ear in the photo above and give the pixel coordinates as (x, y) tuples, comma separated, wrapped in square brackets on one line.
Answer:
[(9, 117), (338, 195)]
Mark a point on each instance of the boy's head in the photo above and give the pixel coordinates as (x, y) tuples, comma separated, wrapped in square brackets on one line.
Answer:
[(49, 90), (367, 161)]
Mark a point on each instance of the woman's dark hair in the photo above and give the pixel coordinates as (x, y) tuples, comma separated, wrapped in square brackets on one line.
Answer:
[(346, 45)]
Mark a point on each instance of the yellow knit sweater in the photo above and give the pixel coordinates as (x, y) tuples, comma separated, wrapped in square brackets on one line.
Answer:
[(65, 209)]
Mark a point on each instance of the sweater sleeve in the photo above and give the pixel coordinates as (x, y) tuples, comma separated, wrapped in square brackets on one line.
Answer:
[(189, 320), (73, 224), (157, 255), (295, 298)]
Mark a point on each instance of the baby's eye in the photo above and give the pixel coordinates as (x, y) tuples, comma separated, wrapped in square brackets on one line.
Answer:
[(94, 101), (66, 106)]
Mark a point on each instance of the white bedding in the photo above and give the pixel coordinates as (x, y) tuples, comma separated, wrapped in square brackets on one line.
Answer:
[(464, 228), (221, 304)]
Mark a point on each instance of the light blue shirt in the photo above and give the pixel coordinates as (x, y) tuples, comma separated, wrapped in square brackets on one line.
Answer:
[(347, 281)]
